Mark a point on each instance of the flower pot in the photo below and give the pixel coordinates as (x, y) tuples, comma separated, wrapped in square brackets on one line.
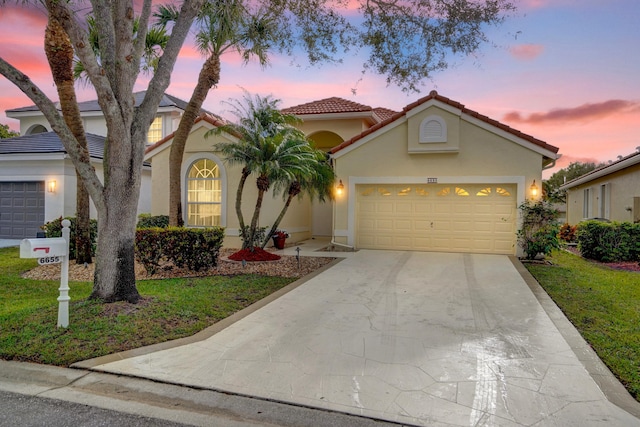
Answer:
[(278, 241)]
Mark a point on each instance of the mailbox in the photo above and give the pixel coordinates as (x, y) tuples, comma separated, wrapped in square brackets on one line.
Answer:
[(44, 248)]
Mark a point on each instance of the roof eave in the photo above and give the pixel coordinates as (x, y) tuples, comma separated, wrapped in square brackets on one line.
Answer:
[(602, 172)]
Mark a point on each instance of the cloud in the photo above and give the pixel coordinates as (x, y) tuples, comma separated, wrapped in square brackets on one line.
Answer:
[(580, 113), (526, 52)]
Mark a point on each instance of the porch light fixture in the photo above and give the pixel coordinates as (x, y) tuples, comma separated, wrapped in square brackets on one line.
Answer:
[(340, 188), (51, 186), (534, 189)]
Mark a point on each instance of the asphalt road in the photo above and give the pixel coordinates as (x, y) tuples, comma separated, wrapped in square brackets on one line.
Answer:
[(18, 410)]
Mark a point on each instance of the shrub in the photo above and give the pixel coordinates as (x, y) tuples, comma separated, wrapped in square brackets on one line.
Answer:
[(609, 242), (54, 229), (568, 232), (193, 248), (539, 232), (151, 221)]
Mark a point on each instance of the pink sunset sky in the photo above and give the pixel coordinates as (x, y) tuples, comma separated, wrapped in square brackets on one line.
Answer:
[(565, 71)]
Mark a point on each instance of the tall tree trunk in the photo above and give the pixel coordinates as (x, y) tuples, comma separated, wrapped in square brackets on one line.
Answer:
[(294, 190), (263, 184), (209, 77), (243, 180), (59, 53), (114, 278)]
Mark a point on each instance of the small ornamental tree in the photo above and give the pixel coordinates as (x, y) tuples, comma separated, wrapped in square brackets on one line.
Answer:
[(539, 232)]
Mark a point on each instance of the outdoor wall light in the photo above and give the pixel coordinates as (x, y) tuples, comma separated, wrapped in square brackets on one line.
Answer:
[(340, 188), (534, 189), (51, 186)]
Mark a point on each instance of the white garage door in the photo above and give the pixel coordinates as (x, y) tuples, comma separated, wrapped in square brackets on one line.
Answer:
[(21, 209), (437, 217)]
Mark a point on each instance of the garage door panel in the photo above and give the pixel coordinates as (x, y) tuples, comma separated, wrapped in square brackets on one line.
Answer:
[(385, 224), (462, 218), (403, 225), (422, 225), (504, 227), (404, 208), (465, 226), (443, 208), (421, 208), (21, 209)]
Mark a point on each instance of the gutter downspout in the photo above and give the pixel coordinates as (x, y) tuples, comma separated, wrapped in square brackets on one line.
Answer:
[(552, 164)]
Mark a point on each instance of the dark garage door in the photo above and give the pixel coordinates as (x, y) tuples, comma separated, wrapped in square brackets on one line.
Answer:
[(21, 209)]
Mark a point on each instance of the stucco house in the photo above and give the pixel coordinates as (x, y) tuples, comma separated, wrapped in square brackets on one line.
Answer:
[(38, 182), (37, 179), (611, 192), (435, 176)]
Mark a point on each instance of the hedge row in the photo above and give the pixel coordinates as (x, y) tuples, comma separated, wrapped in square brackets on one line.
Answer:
[(193, 248), (54, 229), (609, 242)]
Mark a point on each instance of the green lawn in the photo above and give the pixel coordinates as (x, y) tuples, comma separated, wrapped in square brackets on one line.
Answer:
[(172, 308), (604, 305)]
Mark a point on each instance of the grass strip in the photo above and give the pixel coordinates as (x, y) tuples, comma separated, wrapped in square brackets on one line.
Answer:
[(170, 309), (603, 304)]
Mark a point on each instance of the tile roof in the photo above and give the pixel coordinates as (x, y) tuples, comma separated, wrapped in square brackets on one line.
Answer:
[(47, 143), (383, 113), (433, 95), (327, 105), (92, 105)]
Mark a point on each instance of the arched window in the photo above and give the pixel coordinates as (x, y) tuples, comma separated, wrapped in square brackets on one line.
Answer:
[(37, 129), (433, 129), (204, 194)]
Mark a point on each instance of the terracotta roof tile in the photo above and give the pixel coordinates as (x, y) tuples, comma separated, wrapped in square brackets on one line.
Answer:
[(435, 96), (328, 105), (383, 113)]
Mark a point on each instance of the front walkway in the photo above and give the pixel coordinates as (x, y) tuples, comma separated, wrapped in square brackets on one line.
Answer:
[(433, 339)]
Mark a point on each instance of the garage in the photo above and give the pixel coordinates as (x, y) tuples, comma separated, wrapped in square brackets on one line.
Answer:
[(437, 217), (21, 209)]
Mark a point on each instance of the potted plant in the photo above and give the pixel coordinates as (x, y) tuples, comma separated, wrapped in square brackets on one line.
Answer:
[(279, 237)]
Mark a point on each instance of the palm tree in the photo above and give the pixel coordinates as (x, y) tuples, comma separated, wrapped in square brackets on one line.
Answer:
[(59, 51), (269, 146), (155, 41), (224, 25), (317, 182)]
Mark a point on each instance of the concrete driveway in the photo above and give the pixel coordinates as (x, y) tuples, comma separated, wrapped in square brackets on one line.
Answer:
[(435, 339)]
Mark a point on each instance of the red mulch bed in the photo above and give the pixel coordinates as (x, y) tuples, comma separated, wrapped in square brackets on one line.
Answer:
[(257, 254)]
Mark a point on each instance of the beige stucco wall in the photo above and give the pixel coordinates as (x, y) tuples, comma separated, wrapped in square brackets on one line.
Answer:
[(345, 128), (623, 187), (297, 220), (483, 157)]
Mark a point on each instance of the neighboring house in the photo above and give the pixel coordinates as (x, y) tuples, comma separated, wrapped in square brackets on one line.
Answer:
[(28, 164), (611, 192), (167, 118), (38, 182), (435, 177)]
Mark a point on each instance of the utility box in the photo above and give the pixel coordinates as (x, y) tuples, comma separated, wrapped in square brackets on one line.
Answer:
[(44, 248)]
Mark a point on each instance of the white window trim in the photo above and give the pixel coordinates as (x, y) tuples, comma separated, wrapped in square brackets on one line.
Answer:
[(604, 203), (586, 203), (186, 165)]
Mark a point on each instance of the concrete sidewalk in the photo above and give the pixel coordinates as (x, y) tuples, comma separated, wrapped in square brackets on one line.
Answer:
[(7, 243), (408, 337)]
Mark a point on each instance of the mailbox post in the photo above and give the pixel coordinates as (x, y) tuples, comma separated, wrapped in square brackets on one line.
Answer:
[(53, 251)]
